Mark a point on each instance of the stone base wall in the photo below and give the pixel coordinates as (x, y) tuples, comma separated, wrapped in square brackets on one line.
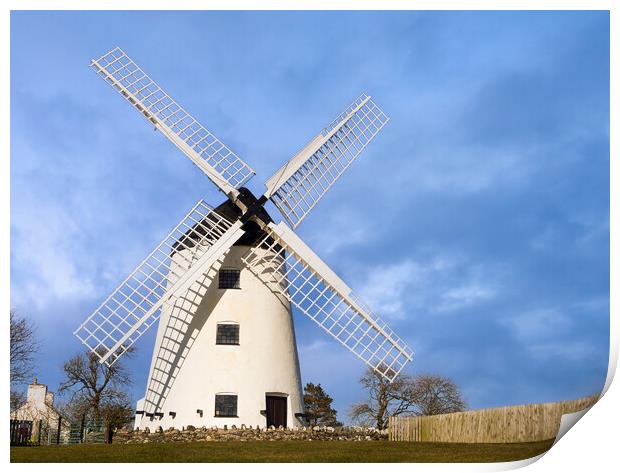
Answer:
[(244, 434)]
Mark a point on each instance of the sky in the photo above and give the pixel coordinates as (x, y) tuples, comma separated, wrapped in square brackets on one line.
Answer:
[(476, 223)]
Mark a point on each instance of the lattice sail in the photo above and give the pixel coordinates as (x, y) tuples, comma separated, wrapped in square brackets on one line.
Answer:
[(212, 156), (177, 338), (290, 268), (298, 185), (135, 304)]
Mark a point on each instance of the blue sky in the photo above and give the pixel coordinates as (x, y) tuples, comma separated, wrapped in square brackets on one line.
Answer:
[(476, 224)]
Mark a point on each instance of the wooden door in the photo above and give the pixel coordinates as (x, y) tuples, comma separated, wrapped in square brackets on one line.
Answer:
[(276, 411)]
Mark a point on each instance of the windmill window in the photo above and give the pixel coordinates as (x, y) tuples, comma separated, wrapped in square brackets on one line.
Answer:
[(229, 279), (225, 405), (227, 334)]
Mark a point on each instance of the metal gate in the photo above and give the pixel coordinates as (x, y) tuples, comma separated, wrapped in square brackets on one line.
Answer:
[(21, 432)]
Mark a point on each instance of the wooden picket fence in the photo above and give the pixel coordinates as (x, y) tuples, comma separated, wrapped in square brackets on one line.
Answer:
[(525, 423)]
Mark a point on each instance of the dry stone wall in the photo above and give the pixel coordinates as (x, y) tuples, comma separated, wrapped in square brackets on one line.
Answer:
[(244, 434)]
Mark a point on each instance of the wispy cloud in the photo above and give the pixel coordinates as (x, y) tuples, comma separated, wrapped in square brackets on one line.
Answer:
[(449, 170), (463, 296), (385, 288), (46, 239), (548, 334), (341, 228), (438, 285), (569, 350), (313, 346), (537, 324)]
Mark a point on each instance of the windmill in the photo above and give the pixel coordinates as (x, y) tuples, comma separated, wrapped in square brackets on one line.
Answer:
[(221, 284)]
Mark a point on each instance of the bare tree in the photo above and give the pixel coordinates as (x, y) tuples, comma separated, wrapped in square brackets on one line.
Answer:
[(117, 414), (97, 390), (433, 394), (74, 408), (423, 395), (385, 399), (17, 399), (24, 346)]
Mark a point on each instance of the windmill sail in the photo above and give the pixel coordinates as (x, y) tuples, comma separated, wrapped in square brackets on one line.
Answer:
[(187, 252), (298, 185), (177, 334), (214, 158), (289, 267)]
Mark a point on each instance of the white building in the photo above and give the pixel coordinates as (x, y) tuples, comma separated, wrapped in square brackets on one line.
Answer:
[(243, 366), (39, 409)]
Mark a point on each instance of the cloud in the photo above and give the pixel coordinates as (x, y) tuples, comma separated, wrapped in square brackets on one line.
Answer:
[(594, 231), (384, 289), (346, 229), (567, 350), (457, 171), (313, 346), (466, 295), (546, 238), (85, 207), (594, 305), (537, 324), (548, 334), (45, 242), (439, 284)]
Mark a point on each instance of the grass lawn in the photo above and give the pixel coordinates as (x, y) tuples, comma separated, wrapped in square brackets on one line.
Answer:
[(287, 451)]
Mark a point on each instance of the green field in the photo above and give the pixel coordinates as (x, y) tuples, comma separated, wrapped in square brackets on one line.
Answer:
[(289, 451)]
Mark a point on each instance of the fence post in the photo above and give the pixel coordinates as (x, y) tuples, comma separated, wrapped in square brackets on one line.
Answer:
[(82, 428), (58, 430)]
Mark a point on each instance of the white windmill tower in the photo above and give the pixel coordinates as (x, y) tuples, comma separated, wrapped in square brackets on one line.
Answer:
[(222, 283)]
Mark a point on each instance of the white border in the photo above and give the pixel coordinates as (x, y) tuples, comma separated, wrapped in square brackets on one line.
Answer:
[(588, 446)]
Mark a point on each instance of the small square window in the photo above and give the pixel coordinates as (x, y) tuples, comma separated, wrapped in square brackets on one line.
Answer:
[(229, 278), (225, 405), (227, 334)]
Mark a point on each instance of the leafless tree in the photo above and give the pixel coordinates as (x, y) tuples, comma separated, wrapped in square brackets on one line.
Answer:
[(385, 399), (17, 399), (72, 407), (117, 414), (97, 390), (24, 347), (433, 394), (423, 395)]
